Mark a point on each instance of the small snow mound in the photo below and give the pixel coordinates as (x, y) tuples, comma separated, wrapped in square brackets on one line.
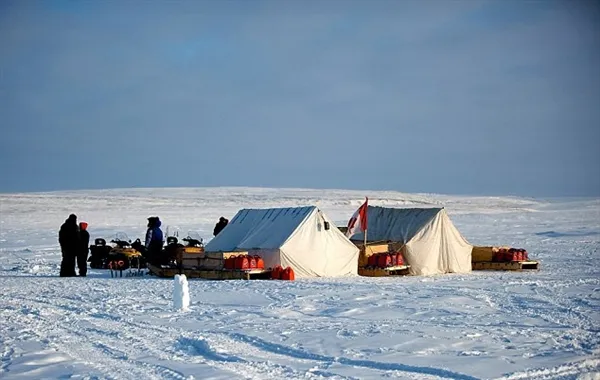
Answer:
[(34, 269), (471, 353), (181, 293)]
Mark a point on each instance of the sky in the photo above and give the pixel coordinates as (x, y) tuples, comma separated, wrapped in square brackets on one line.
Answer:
[(454, 97)]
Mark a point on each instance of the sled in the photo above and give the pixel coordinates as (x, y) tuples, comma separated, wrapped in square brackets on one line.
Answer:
[(399, 270), (117, 269), (518, 266), (166, 271)]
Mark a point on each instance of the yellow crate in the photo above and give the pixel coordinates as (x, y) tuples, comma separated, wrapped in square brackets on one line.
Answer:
[(189, 250), (482, 254)]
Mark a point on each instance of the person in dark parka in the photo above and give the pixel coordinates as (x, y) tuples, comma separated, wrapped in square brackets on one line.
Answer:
[(220, 225), (154, 240), (68, 237), (84, 249)]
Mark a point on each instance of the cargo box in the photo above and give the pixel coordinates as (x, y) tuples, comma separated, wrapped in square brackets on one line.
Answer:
[(485, 254), (202, 262), (371, 250), (482, 254)]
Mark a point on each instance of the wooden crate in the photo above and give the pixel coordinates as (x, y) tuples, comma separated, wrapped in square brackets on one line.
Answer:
[(363, 256), (201, 259), (376, 248), (190, 250), (400, 270), (202, 262), (484, 254), (507, 266), (227, 255), (199, 255)]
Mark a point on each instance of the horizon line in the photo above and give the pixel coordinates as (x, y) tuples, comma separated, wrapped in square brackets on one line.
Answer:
[(149, 188)]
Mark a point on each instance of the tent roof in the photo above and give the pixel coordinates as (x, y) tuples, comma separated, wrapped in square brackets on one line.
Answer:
[(259, 228), (395, 224)]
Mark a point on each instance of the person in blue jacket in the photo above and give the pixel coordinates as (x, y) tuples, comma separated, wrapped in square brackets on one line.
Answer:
[(154, 239)]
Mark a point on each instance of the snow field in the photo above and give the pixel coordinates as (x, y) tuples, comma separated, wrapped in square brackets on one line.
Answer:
[(529, 325)]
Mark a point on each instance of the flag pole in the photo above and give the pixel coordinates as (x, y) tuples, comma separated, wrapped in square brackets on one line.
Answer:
[(366, 211), (365, 243), (365, 240)]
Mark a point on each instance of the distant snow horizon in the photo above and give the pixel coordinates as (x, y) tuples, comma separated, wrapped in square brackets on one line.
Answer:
[(296, 189)]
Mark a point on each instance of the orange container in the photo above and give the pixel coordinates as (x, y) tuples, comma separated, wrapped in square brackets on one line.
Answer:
[(399, 259), (230, 262), (384, 260), (241, 262), (372, 260), (276, 273), (500, 255), (252, 262), (260, 263), (288, 274)]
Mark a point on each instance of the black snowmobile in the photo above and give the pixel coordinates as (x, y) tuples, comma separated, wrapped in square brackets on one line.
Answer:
[(99, 254), (193, 240)]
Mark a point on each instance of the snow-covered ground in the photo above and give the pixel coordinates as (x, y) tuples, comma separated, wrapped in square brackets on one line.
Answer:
[(530, 325)]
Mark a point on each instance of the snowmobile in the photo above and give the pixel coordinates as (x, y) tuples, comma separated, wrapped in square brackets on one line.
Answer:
[(174, 250), (99, 254), (171, 250), (123, 256), (195, 244)]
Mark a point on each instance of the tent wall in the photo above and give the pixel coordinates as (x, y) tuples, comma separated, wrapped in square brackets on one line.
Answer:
[(458, 253), (314, 251), (438, 248)]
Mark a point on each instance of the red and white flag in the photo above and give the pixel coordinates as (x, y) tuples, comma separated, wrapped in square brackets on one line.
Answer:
[(358, 220)]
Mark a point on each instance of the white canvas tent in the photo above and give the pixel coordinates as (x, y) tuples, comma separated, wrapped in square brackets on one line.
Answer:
[(431, 242), (301, 237)]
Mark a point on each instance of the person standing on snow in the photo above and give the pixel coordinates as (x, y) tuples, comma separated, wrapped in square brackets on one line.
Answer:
[(83, 250), (68, 238), (220, 225), (154, 239)]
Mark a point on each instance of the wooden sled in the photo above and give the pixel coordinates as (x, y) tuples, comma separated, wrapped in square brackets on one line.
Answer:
[(211, 274), (507, 266), (400, 270)]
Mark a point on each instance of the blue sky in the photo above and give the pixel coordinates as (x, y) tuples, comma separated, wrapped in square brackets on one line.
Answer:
[(459, 97)]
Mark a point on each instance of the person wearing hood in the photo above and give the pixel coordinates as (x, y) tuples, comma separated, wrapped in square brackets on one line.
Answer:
[(154, 239), (84, 249), (68, 238), (220, 225)]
